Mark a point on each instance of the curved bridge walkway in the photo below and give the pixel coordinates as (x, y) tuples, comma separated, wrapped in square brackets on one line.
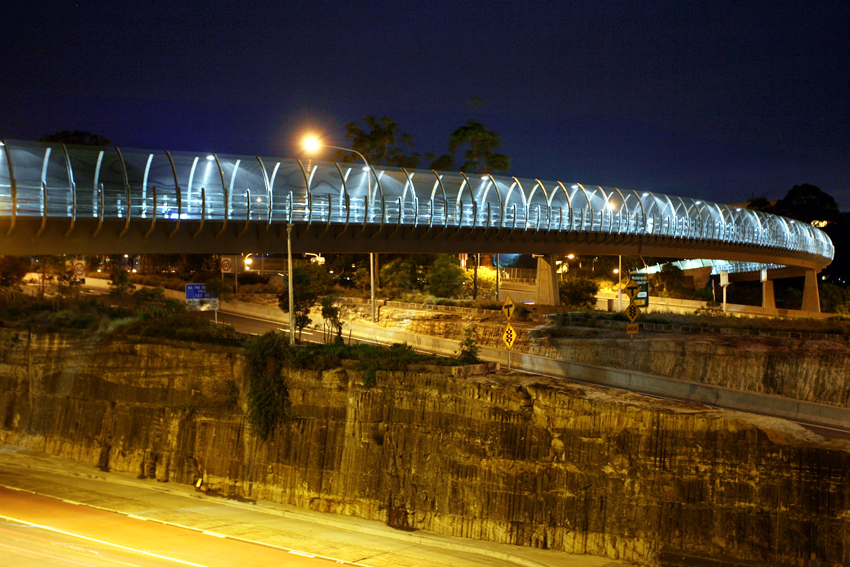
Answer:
[(56, 199)]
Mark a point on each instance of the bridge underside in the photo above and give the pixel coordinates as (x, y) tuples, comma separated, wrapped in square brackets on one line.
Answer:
[(33, 236)]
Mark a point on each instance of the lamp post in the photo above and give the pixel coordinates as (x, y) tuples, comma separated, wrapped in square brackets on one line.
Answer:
[(313, 144)]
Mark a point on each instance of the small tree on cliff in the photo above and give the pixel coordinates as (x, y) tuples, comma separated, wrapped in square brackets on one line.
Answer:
[(304, 297)]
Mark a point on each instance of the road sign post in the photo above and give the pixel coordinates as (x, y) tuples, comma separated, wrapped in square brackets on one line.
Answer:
[(509, 336)]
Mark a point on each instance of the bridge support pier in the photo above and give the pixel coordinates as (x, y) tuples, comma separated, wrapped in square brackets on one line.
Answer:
[(768, 299), (546, 292), (811, 297)]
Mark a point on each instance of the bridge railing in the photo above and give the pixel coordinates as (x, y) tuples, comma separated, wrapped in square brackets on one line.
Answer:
[(57, 181)]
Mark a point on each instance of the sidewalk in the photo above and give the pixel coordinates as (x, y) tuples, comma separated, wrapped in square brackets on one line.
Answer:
[(345, 539)]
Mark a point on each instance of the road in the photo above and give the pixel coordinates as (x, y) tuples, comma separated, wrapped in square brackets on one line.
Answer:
[(112, 518), (40, 531)]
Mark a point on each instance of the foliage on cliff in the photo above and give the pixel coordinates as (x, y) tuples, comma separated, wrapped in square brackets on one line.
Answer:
[(268, 397)]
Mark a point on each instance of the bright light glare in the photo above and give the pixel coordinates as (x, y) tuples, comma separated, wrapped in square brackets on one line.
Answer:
[(612, 207), (571, 256), (210, 158), (249, 261), (311, 143)]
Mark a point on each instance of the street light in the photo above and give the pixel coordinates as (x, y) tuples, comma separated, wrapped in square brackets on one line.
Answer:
[(312, 144)]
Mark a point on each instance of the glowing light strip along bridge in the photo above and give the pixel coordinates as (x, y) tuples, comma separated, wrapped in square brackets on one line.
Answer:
[(75, 200)]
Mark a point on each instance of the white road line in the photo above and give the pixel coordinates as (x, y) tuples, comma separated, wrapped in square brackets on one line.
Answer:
[(101, 542)]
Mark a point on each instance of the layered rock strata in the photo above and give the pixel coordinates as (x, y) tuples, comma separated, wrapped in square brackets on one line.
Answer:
[(501, 457)]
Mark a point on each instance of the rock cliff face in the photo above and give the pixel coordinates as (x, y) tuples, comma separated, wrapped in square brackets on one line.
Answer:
[(802, 369), (499, 457)]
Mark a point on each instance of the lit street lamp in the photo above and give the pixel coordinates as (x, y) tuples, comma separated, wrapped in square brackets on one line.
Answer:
[(312, 144)]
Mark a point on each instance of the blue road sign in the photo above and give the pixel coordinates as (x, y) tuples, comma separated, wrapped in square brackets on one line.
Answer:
[(197, 298)]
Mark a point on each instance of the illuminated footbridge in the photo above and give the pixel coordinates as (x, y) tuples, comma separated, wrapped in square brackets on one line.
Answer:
[(83, 200)]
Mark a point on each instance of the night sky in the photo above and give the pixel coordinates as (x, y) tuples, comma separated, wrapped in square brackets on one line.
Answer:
[(721, 100)]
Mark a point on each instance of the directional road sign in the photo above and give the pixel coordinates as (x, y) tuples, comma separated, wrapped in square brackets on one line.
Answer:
[(508, 308), (632, 312), (509, 337), (197, 298)]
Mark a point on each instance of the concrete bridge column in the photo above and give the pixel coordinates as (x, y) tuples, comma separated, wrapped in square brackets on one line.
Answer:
[(546, 291), (768, 299), (811, 297)]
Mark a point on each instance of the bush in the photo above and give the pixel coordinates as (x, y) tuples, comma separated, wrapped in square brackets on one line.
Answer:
[(268, 397), (445, 277), (578, 292), (468, 351)]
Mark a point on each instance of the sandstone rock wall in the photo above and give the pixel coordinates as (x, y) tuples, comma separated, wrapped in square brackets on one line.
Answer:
[(803, 369), (500, 457)]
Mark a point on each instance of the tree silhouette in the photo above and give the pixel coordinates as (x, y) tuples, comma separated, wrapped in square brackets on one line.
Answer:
[(379, 141), (480, 143), (807, 203)]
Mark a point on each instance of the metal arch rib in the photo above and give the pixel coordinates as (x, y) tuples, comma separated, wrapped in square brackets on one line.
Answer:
[(44, 209), (589, 207), (14, 189), (501, 207), (127, 188), (468, 184), (569, 207), (380, 189), (224, 197), (620, 211), (247, 213), (203, 212), (100, 214), (153, 218), (445, 203), (73, 188), (307, 180), (346, 199), (269, 196), (415, 222), (398, 226), (179, 196), (330, 215)]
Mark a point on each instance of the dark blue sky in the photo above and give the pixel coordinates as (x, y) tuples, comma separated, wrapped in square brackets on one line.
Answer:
[(721, 100)]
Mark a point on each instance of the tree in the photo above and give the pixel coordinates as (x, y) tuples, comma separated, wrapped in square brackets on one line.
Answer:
[(303, 296), (120, 286), (807, 203), (332, 305), (379, 141), (77, 138), (486, 281), (13, 269), (578, 292), (398, 277), (445, 277), (479, 143)]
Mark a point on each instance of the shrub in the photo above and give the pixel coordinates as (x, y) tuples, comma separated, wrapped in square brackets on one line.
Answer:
[(268, 397), (468, 351), (578, 292), (445, 277)]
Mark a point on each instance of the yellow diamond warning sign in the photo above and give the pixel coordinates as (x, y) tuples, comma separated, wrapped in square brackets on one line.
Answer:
[(632, 312), (508, 307), (509, 337)]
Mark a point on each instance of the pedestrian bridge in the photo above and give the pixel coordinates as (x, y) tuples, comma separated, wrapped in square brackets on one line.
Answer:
[(57, 199)]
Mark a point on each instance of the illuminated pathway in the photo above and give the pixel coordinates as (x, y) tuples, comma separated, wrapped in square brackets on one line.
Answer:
[(83, 200)]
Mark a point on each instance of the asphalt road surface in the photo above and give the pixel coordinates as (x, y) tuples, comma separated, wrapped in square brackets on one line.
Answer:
[(40, 531)]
